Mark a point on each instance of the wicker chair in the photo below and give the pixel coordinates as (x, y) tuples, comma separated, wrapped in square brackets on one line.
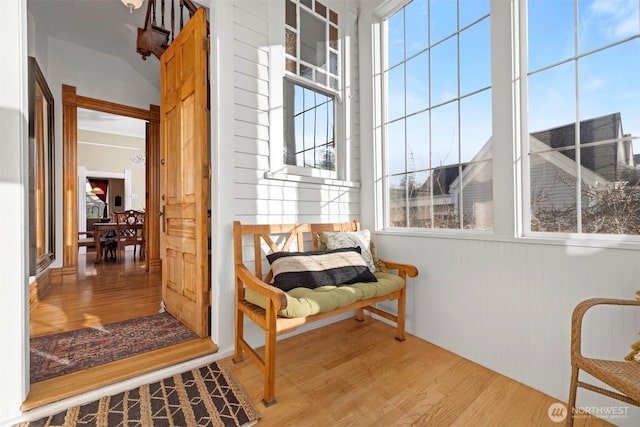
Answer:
[(622, 376)]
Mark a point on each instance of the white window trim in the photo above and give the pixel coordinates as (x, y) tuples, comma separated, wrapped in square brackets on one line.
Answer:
[(511, 140), (278, 170), (623, 241), (504, 192)]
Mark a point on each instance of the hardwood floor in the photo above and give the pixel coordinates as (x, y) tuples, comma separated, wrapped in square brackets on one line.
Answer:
[(357, 374), (104, 293), (344, 374)]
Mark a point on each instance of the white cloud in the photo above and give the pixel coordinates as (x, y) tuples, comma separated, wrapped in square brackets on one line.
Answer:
[(614, 19)]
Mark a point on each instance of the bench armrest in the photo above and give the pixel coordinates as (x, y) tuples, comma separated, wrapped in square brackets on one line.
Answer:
[(277, 296), (403, 269)]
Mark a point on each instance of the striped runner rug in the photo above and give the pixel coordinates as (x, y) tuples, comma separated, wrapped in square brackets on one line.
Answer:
[(205, 396)]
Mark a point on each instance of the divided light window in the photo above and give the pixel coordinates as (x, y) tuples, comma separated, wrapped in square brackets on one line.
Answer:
[(310, 130), (437, 115), (584, 116), (312, 80)]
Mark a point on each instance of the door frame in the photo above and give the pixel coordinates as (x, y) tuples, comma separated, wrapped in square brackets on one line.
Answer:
[(71, 101)]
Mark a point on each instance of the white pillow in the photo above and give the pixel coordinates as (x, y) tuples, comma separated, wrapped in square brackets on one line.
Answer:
[(350, 239)]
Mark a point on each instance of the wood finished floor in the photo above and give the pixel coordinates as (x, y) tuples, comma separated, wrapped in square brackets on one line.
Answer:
[(104, 293), (357, 374), (344, 374)]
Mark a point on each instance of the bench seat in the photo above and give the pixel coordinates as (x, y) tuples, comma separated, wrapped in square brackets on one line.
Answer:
[(303, 302)]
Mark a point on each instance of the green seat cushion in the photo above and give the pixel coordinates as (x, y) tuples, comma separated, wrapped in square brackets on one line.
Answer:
[(302, 302)]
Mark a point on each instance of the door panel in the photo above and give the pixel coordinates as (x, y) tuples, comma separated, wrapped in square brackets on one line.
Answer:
[(185, 176)]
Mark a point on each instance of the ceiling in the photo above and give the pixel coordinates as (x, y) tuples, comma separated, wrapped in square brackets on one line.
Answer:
[(105, 26), (102, 25), (97, 121)]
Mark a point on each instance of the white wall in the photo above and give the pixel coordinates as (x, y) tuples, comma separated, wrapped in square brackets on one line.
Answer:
[(247, 87), (96, 75), (105, 152), (269, 200), (14, 333)]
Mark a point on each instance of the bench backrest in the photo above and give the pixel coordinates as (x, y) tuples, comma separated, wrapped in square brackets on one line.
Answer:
[(262, 239)]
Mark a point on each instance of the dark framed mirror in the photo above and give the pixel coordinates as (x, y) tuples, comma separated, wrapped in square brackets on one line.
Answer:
[(41, 172)]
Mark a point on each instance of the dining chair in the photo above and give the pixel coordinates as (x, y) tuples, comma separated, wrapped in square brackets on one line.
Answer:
[(129, 231), (86, 239)]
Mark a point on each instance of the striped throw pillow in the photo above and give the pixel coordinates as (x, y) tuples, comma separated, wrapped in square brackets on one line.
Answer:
[(313, 269)]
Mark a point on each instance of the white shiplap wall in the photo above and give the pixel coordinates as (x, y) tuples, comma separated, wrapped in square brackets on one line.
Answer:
[(258, 199), (507, 304)]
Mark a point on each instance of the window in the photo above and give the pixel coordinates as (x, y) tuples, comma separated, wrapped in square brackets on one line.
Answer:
[(312, 45), (437, 115), (309, 132), (311, 85), (584, 116)]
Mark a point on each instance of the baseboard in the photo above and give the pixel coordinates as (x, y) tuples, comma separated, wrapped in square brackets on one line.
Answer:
[(41, 286), (69, 274), (56, 276), (155, 265), (33, 294)]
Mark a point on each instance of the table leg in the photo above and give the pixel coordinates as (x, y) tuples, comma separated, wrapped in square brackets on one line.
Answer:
[(98, 242)]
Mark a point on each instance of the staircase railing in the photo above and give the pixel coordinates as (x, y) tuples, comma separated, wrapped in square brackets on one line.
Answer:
[(154, 39)]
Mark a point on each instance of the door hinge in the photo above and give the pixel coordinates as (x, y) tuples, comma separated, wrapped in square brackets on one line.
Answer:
[(205, 43), (206, 171)]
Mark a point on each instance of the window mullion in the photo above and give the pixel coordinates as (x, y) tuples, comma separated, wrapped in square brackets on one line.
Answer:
[(578, 138)]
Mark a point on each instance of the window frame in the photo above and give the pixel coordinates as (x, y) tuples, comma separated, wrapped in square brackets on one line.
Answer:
[(382, 14), (289, 122), (587, 239), (510, 135), (278, 169)]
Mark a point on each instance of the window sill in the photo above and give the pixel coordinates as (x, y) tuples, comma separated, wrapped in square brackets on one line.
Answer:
[(599, 242), (290, 177)]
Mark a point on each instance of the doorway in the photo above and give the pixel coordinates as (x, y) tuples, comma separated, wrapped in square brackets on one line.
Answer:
[(84, 285), (71, 103)]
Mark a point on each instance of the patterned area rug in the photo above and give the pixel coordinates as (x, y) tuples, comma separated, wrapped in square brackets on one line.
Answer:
[(67, 352), (207, 396)]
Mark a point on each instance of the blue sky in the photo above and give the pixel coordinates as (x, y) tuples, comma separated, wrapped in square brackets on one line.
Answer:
[(609, 79)]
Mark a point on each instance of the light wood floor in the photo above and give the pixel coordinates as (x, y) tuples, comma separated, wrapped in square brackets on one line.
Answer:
[(345, 374), (357, 374), (104, 293)]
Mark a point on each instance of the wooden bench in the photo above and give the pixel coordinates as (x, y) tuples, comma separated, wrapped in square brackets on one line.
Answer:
[(254, 239)]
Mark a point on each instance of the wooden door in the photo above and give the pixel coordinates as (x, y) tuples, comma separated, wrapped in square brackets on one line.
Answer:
[(185, 176)]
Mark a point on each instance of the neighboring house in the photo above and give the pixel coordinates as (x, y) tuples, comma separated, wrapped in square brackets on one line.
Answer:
[(614, 161), (553, 172)]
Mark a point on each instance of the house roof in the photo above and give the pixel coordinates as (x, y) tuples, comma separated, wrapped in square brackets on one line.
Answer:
[(600, 164), (615, 161)]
